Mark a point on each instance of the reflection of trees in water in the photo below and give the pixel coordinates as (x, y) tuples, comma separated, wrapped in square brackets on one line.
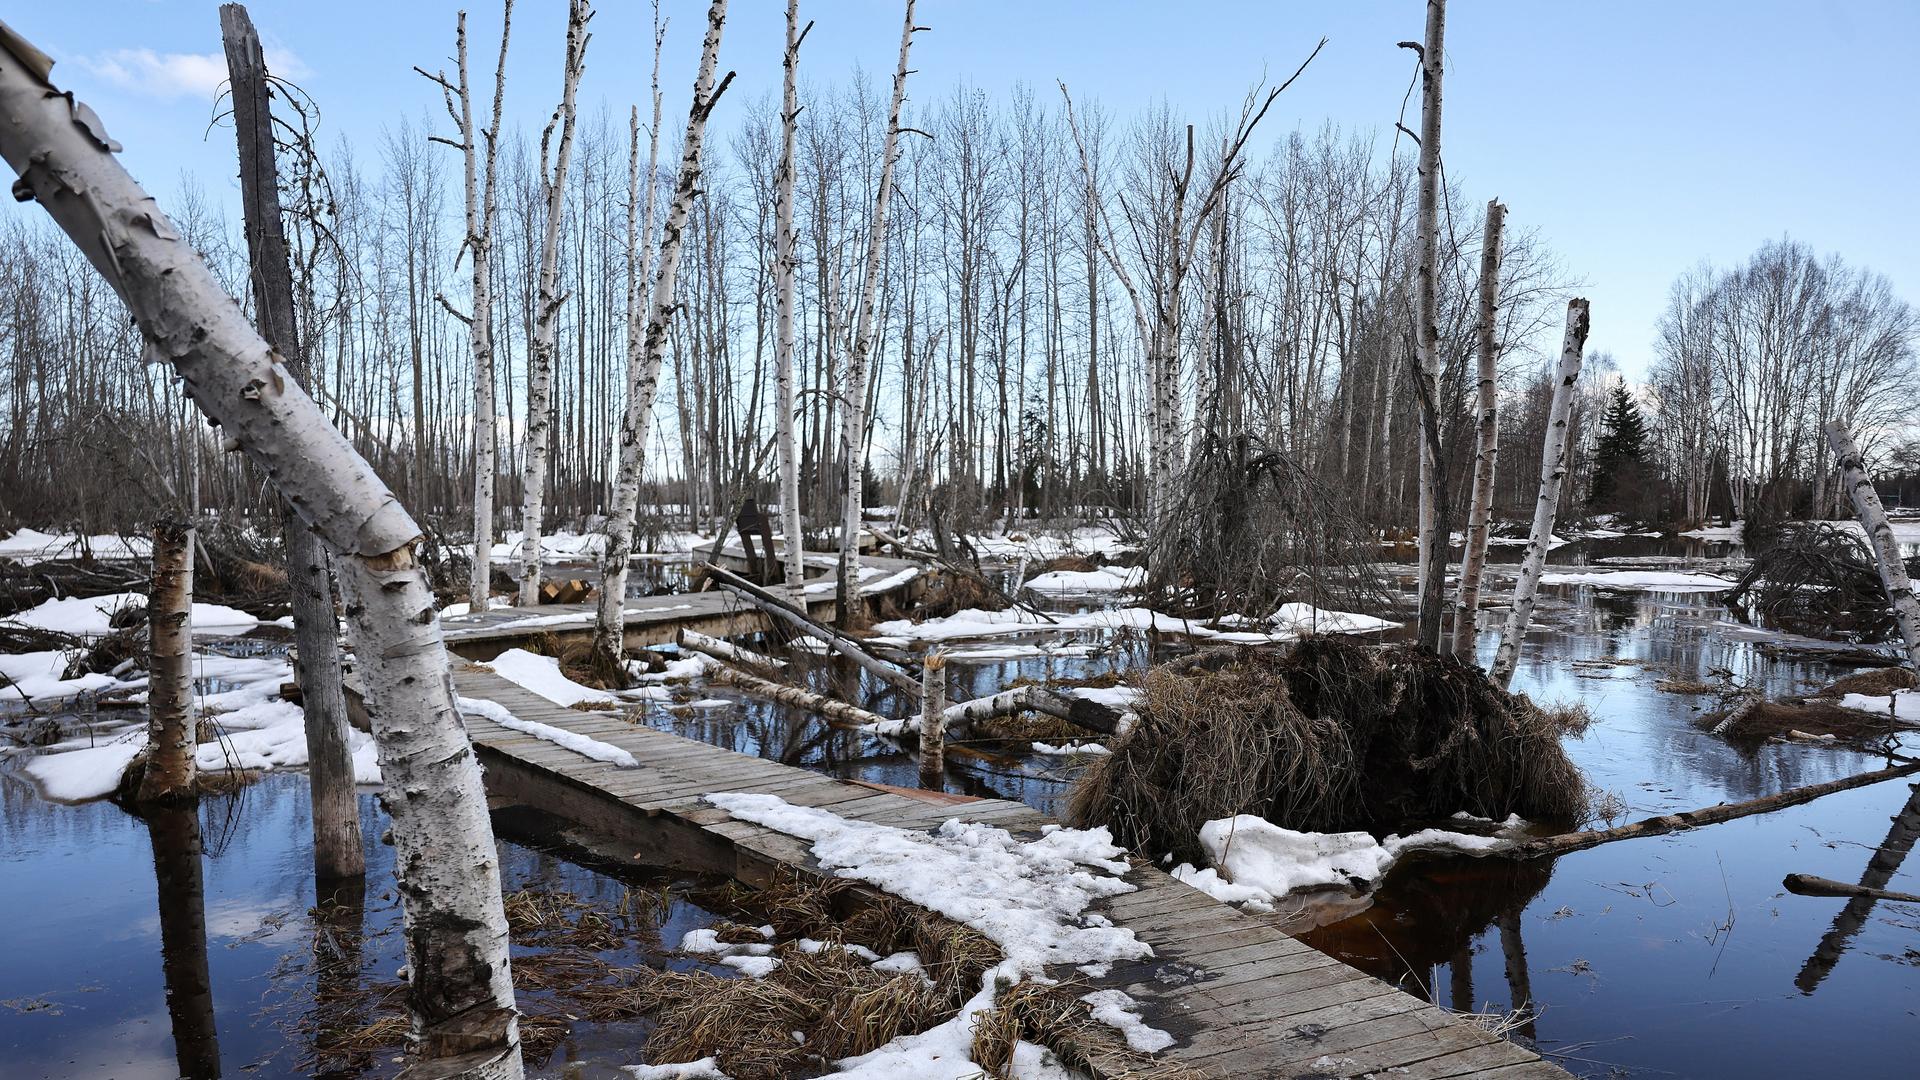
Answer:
[(1880, 869), (174, 832), (1428, 913), (339, 1005)]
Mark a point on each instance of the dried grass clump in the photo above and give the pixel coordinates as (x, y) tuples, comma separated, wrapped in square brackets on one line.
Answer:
[(1751, 722), (1876, 683), (1334, 736), (953, 591)]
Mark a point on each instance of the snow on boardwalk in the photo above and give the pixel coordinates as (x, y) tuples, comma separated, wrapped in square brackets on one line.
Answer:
[(1239, 997)]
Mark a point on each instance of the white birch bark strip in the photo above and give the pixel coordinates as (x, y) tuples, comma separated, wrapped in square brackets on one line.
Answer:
[(546, 312), (1553, 470), (1886, 549), (460, 986), (169, 772), (644, 369), (853, 416), (1480, 510)]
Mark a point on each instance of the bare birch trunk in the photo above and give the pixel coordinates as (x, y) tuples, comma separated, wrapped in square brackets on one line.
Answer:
[(786, 263), (933, 723), (323, 700), (1426, 338), (1886, 549), (1553, 470), (1480, 511), (480, 205), (460, 984), (853, 416), (644, 369), (169, 770), (547, 303)]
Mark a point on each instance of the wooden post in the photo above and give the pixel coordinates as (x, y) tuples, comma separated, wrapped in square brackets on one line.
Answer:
[(323, 699), (460, 985), (170, 721), (933, 724), (1473, 561), (1553, 470), (1886, 550)]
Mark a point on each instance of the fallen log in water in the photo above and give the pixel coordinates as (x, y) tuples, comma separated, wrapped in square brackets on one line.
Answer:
[(794, 616), (1712, 815), (834, 711), (727, 652), (1812, 885), (965, 571)]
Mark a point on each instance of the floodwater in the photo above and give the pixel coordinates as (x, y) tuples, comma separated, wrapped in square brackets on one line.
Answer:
[(127, 956)]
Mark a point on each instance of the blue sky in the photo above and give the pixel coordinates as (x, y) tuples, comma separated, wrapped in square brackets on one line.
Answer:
[(1639, 137)]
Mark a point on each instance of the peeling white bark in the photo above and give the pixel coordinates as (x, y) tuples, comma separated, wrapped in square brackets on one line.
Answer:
[(644, 370), (853, 390), (1473, 562), (547, 303), (933, 726), (1553, 469), (1886, 549), (169, 772), (460, 990)]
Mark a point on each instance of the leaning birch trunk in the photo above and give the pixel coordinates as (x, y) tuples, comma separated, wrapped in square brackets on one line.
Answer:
[(460, 985), (726, 651), (1426, 337), (933, 723), (1480, 511), (786, 261), (1553, 469), (853, 414), (835, 712), (170, 722), (1886, 549), (801, 621), (643, 364), (546, 313), (316, 633)]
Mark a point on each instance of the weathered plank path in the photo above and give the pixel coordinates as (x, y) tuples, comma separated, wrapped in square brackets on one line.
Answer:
[(1243, 998), (655, 620)]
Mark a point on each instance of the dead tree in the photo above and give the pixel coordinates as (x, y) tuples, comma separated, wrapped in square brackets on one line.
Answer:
[(478, 246), (933, 721), (1473, 561), (169, 772), (547, 302), (316, 631), (645, 376), (853, 406), (1426, 336), (460, 985), (1886, 549), (786, 261), (1553, 470)]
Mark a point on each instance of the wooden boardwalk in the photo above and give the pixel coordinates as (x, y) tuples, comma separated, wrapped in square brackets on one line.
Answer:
[(655, 620), (1243, 998)]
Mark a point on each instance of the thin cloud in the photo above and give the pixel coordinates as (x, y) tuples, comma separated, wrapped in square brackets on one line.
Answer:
[(171, 76)]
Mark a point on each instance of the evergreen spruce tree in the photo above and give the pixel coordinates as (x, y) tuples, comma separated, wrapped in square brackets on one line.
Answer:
[(1622, 447)]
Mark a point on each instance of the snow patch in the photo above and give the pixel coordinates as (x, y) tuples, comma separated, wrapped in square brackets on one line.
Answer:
[(541, 675), (571, 740), (1255, 862)]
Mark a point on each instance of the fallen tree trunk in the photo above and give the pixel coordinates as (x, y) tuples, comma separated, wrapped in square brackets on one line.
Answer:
[(963, 570), (794, 616), (1812, 885), (834, 711), (727, 652), (1712, 815), (1886, 549)]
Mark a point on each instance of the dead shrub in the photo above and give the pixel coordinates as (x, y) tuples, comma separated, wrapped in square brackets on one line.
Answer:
[(1332, 736), (1877, 683), (1751, 722)]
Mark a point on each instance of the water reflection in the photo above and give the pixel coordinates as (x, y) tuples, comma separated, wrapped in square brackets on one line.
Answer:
[(174, 832), (1881, 867)]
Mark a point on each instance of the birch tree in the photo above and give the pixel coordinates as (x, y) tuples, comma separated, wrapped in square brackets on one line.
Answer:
[(547, 302), (478, 247), (460, 986), (316, 633), (1486, 458), (1426, 331), (169, 771), (853, 410), (786, 264), (1553, 470), (1886, 548), (644, 370)]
